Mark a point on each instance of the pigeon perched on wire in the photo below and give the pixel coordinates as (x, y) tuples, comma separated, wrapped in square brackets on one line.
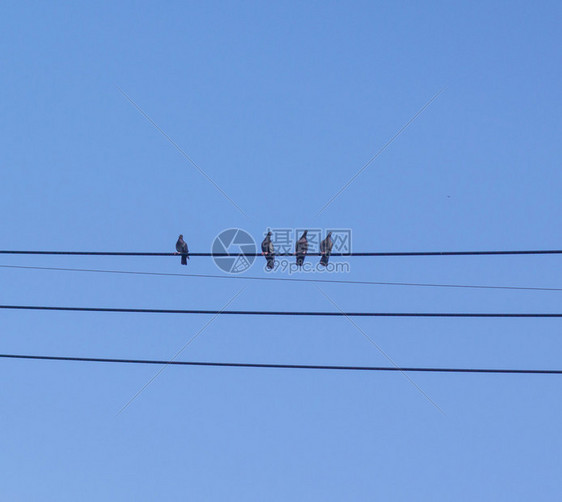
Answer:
[(268, 251), (301, 248), (326, 249), (181, 248)]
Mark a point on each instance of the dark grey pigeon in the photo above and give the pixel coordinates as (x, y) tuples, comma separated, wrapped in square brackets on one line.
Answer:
[(301, 248), (181, 247), (326, 249), (268, 251)]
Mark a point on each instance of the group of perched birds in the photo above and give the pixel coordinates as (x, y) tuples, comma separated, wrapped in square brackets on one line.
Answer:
[(301, 248), (268, 250)]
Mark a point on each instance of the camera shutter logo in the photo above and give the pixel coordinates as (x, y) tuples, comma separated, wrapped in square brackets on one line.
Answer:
[(240, 245)]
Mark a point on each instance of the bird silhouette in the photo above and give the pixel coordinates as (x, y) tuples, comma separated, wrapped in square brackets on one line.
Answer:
[(268, 251), (181, 248), (301, 248), (326, 249)]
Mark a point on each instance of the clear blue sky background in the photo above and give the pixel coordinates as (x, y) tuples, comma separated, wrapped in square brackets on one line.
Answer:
[(280, 104)]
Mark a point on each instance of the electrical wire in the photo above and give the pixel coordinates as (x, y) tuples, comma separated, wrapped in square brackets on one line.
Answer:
[(232, 255), (284, 313), (281, 366), (287, 279)]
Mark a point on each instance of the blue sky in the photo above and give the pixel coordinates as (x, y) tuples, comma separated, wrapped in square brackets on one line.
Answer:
[(280, 105)]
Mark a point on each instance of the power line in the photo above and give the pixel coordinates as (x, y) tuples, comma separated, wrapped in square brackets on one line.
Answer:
[(222, 255), (284, 313), (287, 279), (281, 366)]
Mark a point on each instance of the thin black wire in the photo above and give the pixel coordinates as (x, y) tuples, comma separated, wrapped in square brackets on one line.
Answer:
[(253, 278), (280, 366), (283, 313), (220, 255)]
